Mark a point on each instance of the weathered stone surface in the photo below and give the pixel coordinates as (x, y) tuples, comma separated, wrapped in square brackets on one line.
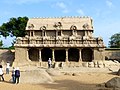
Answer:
[(113, 53), (95, 64), (91, 64), (118, 73), (53, 72), (85, 64), (35, 76), (100, 64), (113, 83)]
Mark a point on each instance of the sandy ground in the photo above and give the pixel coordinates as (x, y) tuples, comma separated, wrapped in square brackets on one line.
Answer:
[(83, 81)]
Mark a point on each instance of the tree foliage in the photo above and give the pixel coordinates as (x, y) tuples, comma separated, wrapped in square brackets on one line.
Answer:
[(15, 27), (1, 43), (115, 41)]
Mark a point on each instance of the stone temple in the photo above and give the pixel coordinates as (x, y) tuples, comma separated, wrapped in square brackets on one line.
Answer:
[(66, 40)]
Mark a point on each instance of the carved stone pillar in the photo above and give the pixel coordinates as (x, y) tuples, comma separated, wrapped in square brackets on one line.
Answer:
[(80, 58), (28, 55), (61, 33), (40, 58), (53, 55), (44, 32), (85, 33), (66, 55), (33, 33), (73, 32)]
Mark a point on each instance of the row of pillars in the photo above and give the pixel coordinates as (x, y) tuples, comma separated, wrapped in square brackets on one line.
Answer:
[(53, 55), (32, 33)]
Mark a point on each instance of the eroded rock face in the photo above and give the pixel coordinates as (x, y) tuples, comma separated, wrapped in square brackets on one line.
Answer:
[(113, 83), (35, 76)]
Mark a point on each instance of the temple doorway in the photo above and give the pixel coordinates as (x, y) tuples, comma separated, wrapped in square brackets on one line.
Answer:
[(33, 54), (87, 54), (46, 53), (60, 55), (73, 54)]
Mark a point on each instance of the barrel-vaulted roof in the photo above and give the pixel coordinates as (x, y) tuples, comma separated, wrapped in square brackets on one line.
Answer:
[(63, 23)]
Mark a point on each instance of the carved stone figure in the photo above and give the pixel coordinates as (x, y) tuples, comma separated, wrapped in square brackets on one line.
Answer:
[(86, 26), (73, 27), (58, 25), (31, 26), (43, 28)]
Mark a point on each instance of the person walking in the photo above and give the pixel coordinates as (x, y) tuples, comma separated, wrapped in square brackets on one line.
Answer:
[(49, 63), (1, 73), (17, 75), (7, 68)]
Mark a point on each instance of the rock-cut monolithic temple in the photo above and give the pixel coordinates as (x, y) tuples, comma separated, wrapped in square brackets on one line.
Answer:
[(66, 40)]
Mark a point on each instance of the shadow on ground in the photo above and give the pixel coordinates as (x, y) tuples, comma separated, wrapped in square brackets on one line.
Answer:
[(72, 85)]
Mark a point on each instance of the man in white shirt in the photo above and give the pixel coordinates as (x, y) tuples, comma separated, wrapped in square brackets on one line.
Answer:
[(49, 63), (7, 68)]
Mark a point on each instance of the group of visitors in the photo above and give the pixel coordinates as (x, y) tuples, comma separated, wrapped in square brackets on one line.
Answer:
[(15, 73)]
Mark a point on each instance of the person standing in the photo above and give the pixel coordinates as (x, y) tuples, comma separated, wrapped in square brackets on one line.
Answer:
[(17, 75), (7, 68), (13, 75), (1, 73), (49, 63)]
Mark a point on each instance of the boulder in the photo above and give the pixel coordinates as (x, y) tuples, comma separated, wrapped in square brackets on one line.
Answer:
[(113, 83)]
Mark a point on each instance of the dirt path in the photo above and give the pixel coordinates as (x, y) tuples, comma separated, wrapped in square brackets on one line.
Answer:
[(84, 81)]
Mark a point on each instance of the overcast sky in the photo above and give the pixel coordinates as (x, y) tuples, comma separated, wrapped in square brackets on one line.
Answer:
[(105, 13)]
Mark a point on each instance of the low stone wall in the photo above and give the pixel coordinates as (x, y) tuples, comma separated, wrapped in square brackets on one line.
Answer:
[(112, 54)]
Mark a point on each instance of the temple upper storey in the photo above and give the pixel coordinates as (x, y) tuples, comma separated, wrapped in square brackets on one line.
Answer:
[(59, 32), (60, 23)]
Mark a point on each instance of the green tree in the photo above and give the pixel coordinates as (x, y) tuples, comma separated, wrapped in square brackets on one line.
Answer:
[(1, 43), (115, 41), (15, 27)]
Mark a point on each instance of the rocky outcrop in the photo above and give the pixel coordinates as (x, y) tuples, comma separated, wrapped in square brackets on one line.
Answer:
[(113, 83), (35, 77)]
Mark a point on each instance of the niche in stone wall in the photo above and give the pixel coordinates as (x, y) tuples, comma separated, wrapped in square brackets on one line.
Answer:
[(46, 53), (38, 33), (60, 55), (67, 33), (81, 33), (87, 54), (50, 33), (33, 54)]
